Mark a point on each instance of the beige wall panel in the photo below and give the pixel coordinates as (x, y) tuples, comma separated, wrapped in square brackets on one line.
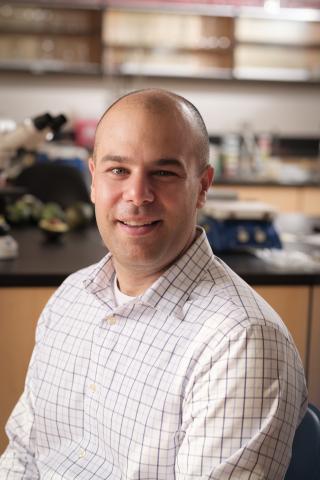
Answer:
[(314, 356), (292, 304), (310, 200), (277, 31), (19, 312), (284, 199)]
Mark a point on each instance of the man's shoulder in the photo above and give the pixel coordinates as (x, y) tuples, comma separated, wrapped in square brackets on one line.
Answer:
[(229, 303), (72, 300)]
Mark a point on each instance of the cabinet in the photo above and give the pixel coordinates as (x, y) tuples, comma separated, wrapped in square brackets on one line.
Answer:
[(20, 309), (277, 48), (314, 349), (292, 304), (210, 41), (174, 44), (43, 39), (242, 44), (310, 201), (299, 307), (303, 199)]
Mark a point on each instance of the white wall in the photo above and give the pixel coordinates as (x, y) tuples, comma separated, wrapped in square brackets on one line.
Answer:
[(290, 109)]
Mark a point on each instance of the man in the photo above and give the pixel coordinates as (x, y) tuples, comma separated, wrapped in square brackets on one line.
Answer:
[(159, 362)]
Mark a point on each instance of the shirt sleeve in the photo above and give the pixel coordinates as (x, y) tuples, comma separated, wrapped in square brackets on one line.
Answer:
[(241, 409)]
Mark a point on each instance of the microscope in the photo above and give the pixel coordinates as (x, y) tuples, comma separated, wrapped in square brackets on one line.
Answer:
[(26, 138)]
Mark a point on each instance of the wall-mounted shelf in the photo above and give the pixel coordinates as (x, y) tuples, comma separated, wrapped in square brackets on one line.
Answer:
[(48, 40), (160, 40), (37, 67)]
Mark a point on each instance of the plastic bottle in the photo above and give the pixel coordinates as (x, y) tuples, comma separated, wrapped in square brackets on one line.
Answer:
[(230, 150)]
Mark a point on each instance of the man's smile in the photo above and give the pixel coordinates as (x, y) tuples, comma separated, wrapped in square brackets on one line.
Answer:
[(134, 223), (138, 227)]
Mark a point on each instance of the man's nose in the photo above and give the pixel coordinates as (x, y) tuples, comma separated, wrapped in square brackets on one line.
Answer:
[(138, 190)]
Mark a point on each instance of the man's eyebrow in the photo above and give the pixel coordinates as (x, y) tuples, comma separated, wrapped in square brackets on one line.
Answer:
[(167, 162), (161, 162), (114, 158)]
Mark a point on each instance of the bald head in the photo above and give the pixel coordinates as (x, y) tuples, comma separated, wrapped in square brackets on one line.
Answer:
[(162, 102)]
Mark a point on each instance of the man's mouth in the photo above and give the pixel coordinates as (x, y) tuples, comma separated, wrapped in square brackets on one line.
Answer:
[(132, 223), (138, 227)]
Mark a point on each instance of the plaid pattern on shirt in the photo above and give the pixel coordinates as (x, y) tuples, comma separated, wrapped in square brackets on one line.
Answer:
[(196, 378)]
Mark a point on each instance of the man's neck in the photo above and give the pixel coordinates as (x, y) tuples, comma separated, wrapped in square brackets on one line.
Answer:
[(134, 283)]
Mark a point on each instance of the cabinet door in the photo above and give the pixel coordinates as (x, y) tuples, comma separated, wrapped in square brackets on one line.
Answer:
[(20, 310), (314, 355), (311, 201), (284, 199), (292, 304), (43, 39), (191, 44)]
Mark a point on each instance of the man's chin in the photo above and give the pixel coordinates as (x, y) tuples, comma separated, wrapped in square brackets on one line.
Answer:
[(140, 258)]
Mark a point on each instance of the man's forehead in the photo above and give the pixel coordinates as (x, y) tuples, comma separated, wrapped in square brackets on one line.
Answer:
[(132, 116), (147, 103), (164, 121)]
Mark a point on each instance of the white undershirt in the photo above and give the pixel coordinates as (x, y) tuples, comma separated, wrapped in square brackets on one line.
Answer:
[(121, 298)]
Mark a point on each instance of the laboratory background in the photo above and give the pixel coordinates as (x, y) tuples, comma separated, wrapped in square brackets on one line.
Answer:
[(251, 67)]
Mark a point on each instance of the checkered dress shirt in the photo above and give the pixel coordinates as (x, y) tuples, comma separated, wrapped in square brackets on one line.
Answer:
[(197, 378)]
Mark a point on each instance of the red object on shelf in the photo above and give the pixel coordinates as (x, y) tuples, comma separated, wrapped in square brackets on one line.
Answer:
[(237, 3), (84, 130), (184, 2)]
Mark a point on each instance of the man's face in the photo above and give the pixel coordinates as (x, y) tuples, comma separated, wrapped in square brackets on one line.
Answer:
[(146, 187)]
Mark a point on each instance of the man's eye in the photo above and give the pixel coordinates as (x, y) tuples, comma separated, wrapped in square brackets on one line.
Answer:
[(119, 171), (164, 173)]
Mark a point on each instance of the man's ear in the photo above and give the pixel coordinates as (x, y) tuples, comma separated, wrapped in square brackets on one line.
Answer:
[(92, 171), (205, 183)]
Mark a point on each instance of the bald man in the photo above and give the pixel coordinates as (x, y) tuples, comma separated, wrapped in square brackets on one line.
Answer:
[(158, 362)]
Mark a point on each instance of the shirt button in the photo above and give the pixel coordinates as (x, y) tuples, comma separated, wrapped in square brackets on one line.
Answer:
[(93, 387), (82, 453), (111, 320)]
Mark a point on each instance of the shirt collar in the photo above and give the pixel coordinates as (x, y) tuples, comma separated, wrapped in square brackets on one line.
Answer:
[(169, 292), (99, 281)]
